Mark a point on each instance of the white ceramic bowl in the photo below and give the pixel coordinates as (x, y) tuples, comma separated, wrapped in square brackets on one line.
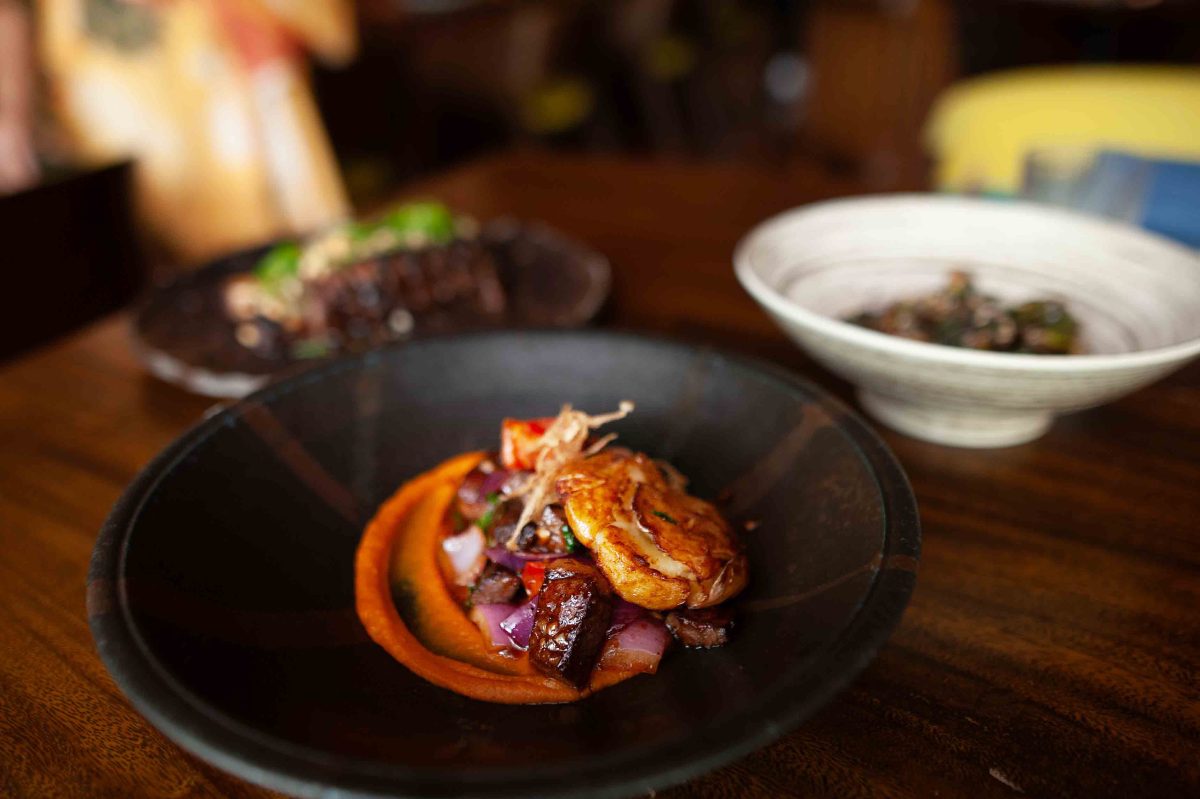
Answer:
[(1136, 295)]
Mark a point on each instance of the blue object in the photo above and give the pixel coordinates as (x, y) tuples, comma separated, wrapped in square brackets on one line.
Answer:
[(1162, 196), (1172, 202), (1159, 195)]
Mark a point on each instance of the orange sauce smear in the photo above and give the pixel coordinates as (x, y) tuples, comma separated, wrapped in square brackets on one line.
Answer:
[(401, 544)]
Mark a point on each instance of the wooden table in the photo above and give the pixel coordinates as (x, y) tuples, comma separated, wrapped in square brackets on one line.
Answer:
[(1052, 646)]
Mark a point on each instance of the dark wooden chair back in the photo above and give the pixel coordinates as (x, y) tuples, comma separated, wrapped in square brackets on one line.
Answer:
[(68, 255)]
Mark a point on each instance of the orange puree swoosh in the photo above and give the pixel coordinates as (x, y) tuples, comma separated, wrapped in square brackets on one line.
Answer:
[(401, 544)]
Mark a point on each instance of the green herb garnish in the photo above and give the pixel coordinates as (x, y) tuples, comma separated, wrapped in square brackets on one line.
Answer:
[(281, 263), (569, 538), (664, 516), (485, 521), (359, 231), (311, 348), (430, 219)]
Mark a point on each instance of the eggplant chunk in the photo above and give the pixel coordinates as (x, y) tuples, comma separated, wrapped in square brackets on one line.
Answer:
[(545, 535), (571, 621), (497, 585)]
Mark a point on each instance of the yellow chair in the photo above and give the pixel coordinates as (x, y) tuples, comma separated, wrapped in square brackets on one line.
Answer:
[(981, 130)]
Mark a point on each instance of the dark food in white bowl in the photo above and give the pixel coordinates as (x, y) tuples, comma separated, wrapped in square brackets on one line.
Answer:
[(1133, 295), (961, 316)]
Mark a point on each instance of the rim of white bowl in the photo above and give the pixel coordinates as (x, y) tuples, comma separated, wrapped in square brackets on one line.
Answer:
[(770, 297)]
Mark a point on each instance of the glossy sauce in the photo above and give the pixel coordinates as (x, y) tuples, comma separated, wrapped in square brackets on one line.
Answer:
[(399, 550)]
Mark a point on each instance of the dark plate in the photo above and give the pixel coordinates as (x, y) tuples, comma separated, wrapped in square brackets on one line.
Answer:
[(184, 337), (221, 589)]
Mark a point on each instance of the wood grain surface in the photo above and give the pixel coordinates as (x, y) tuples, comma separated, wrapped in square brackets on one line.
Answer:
[(1052, 647)]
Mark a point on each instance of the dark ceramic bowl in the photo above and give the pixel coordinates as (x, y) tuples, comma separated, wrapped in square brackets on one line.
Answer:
[(221, 590), (184, 337)]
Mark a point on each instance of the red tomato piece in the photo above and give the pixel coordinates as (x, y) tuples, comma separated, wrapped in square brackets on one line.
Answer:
[(520, 440), (533, 575)]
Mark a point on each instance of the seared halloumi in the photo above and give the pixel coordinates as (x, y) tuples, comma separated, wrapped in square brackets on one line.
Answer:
[(659, 546)]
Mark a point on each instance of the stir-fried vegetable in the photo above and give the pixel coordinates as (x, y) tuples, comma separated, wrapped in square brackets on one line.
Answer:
[(515, 560), (1046, 327), (489, 619), (465, 552), (961, 316), (519, 624), (638, 646)]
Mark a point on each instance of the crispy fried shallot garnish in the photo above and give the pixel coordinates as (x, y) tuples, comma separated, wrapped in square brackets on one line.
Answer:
[(563, 442)]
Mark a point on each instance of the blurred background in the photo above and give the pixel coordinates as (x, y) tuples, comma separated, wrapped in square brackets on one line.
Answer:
[(142, 137)]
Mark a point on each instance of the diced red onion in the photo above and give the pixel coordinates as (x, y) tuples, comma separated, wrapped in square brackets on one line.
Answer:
[(488, 618), (471, 499), (528, 556), (469, 490), (465, 552), (624, 613), (502, 557), (495, 482), (639, 646), (519, 624), (516, 561)]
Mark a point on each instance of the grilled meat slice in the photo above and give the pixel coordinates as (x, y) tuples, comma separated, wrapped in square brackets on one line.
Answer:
[(373, 300), (359, 299)]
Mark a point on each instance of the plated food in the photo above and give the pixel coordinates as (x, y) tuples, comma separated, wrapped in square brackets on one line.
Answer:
[(577, 562), (365, 283), (222, 590), (961, 316), (1132, 297), (227, 328)]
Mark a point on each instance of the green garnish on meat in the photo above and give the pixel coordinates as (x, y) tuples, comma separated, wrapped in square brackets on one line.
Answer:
[(665, 517), (281, 263), (311, 348), (360, 231), (430, 219)]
